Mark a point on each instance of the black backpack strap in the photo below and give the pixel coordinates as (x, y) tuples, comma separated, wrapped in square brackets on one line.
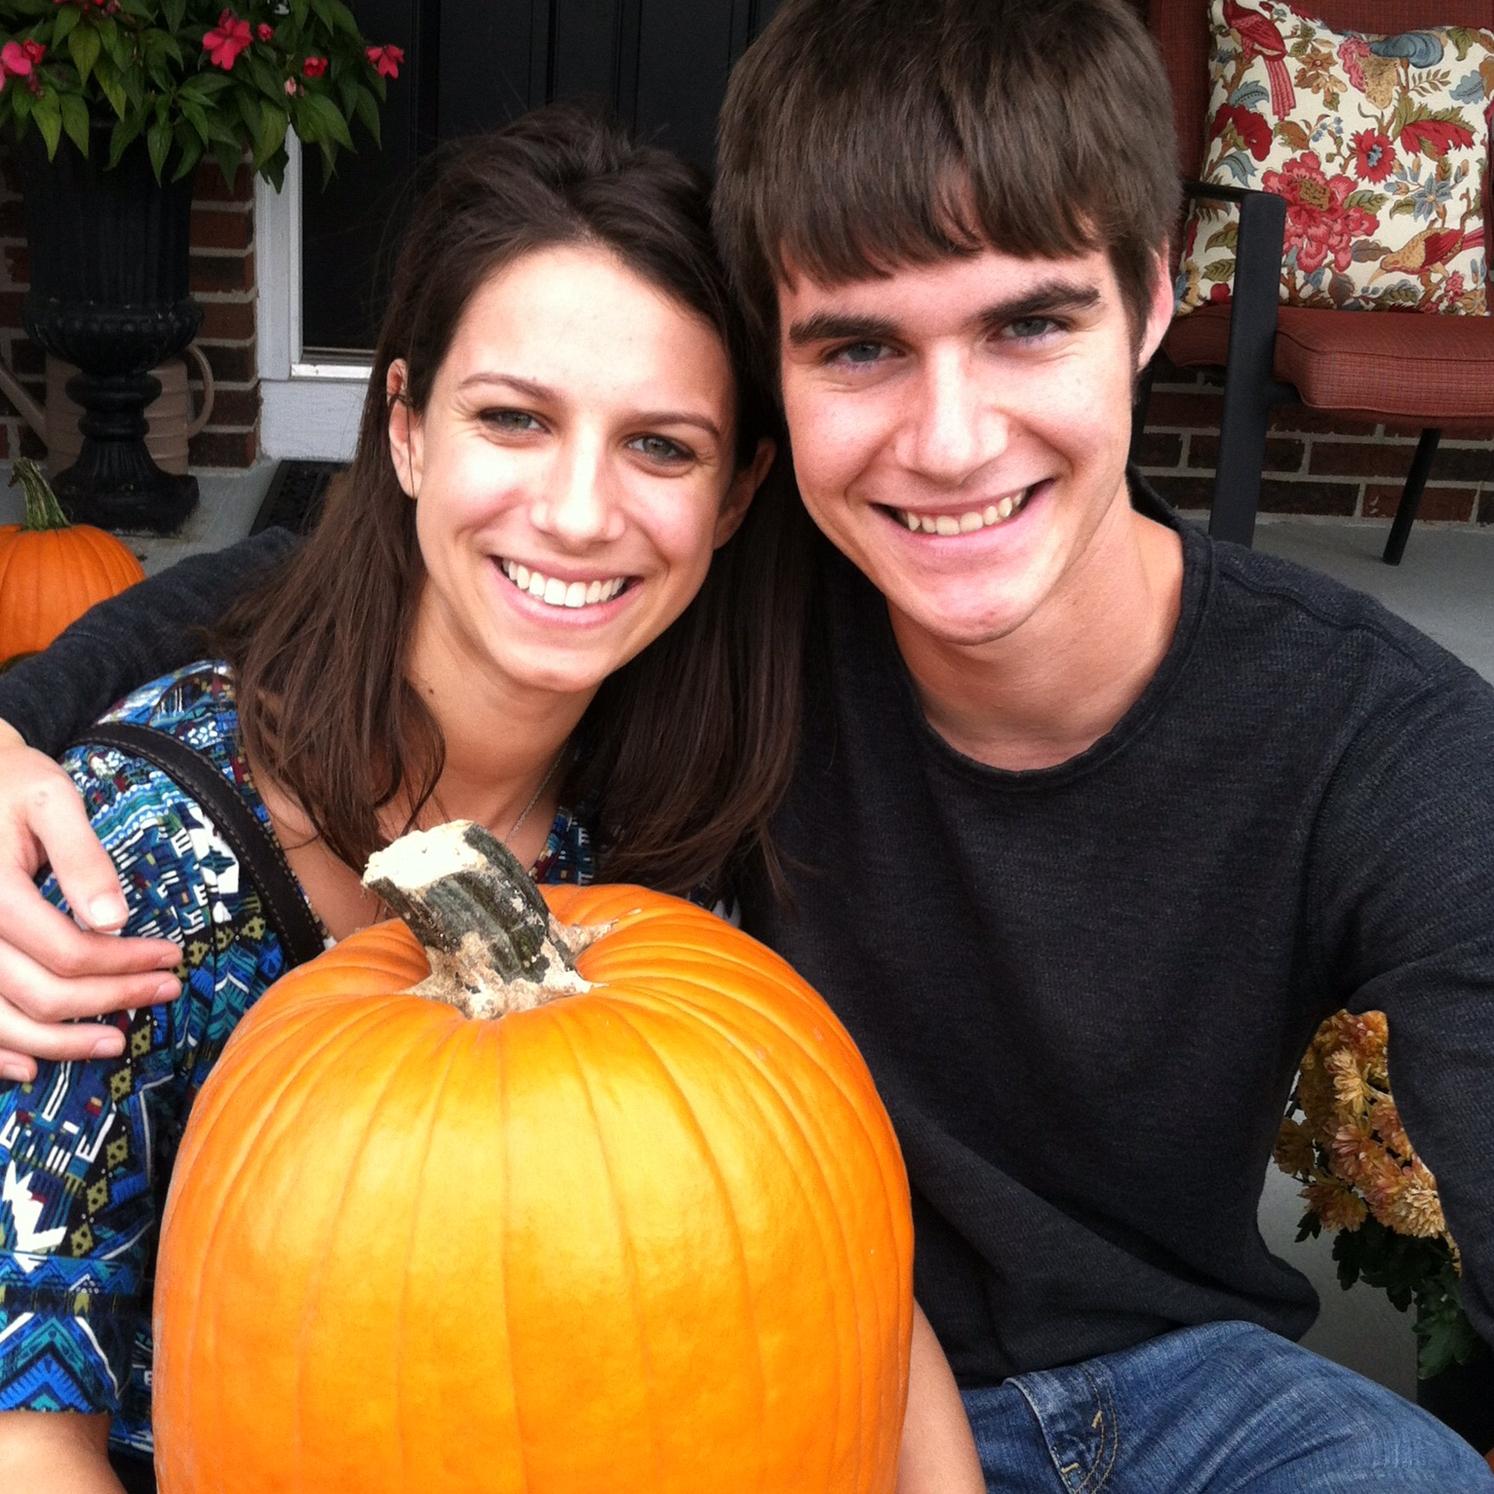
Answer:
[(257, 850)]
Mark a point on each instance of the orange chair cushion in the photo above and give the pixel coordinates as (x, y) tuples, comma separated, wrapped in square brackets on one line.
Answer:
[(1433, 370)]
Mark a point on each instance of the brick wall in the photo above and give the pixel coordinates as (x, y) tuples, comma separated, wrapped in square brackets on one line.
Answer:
[(222, 283), (1314, 464)]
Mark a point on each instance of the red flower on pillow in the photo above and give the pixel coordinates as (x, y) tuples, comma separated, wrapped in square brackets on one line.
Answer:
[(1374, 155), (1435, 137), (1249, 126), (1318, 224)]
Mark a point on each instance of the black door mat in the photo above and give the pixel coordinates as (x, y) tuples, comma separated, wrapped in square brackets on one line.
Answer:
[(294, 497)]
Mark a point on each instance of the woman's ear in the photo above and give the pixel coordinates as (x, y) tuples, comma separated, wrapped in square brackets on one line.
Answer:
[(744, 485), (405, 444)]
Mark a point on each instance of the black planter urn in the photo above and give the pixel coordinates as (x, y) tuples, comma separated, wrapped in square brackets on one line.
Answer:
[(109, 293)]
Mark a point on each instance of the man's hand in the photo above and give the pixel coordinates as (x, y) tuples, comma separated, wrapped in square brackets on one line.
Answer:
[(50, 969)]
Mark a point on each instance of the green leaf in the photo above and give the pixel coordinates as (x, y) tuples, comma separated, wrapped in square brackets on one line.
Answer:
[(1365, 198), (68, 16), (176, 14), (228, 156), (271, 137), (158, 143), (1405, 205), (124, 134), (189, 147), (83, 48), (341, 18), (205, 86), (47, 112), (249, 112), (1224, 238), (334, 128), (300, 10), (107, 79), (368, 111), (1220, 270), (196, 116), (75, 120)]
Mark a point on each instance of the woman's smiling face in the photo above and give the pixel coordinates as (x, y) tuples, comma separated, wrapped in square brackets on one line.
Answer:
[(572, 471)]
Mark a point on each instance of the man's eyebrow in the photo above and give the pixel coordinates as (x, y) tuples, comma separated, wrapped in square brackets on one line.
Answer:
[(835, 326), (1051, 297), (1046, 299)]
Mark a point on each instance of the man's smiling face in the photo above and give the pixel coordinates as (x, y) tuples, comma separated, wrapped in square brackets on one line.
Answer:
[(960, 429)]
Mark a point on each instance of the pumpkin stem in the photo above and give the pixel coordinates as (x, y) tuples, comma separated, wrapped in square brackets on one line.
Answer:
[(492, 945), (42, 509)]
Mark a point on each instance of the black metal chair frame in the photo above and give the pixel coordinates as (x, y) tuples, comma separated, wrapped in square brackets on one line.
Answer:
[(1251, 390)]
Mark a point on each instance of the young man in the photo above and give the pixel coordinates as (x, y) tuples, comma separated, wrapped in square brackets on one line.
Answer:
[(1094, 819)]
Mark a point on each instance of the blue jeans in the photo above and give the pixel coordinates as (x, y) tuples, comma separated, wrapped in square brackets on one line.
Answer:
[(1228, 1408)]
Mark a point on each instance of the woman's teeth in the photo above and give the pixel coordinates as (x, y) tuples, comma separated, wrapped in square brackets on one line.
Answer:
[(558, 593), (965, 523)]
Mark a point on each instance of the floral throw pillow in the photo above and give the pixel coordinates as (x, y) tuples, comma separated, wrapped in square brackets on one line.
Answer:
[(1380, 145)]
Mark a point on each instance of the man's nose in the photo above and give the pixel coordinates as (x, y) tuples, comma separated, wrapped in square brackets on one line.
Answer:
[(955, 425)]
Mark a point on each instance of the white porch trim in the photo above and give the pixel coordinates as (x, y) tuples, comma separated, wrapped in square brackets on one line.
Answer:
[(308, 410)]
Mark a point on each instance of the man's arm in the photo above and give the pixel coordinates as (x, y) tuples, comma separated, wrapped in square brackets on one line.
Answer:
[(118, 644), (56, 1450), (51, 970), (1403, 890)]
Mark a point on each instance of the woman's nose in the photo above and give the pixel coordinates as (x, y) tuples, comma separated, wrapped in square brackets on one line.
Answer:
[(579, 503)]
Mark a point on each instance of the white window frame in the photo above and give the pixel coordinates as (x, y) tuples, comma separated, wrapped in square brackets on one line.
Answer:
[(309, 411)]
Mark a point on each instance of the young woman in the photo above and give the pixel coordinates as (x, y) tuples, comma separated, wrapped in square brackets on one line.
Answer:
[(504, 616)]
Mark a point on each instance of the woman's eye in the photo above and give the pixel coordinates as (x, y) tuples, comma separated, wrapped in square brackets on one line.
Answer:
[(510, 420), (661, 449)]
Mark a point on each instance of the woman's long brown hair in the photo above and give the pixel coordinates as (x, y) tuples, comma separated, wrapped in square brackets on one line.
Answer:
[(685, 751)]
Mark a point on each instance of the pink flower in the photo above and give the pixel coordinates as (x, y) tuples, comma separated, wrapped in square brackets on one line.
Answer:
[(292, 87), (314, 67), (264, 31), (1318, 224), (227, 40), (1352, 51), (15, 60), (34, 50), (386, 60)]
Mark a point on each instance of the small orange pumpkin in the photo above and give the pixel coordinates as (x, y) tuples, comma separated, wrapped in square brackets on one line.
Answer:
[(634, 1222), (52, 572)]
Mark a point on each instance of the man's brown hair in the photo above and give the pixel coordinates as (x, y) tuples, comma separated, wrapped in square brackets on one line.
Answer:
[(860, 135)]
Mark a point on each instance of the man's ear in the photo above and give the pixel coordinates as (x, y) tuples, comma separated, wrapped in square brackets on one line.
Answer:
[(406, 447), (1159, 311), (744, 485)]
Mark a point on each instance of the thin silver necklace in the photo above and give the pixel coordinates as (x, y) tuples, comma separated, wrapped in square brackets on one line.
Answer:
[(544, 783)]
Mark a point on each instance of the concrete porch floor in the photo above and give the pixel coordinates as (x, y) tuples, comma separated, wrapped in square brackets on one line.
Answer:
[(1445, 586)]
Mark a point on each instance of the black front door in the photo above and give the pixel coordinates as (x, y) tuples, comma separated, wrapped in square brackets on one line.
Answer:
[(659, 65)]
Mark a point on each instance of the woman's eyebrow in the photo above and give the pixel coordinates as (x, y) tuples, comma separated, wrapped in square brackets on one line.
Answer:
[(527, 387)]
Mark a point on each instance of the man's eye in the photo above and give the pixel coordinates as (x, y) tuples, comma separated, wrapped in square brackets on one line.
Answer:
[(661, 449), (857, 353), (1032, 328)]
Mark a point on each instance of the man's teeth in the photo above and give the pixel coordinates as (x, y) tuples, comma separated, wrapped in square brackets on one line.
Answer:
[(965, 523), (558, 593)]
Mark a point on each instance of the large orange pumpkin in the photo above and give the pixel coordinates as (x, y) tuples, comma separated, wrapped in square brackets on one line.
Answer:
[(52, 572), (642, 1230)]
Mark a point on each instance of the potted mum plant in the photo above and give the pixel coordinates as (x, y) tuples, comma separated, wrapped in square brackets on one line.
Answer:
[(1343, 1140), (112, 105)]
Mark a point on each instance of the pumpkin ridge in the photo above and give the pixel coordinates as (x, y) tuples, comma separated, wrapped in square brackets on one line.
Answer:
[(718, 1015), (787, 1120), (451, 1042), (650, 1375), (216, 1099), (724, 1192), (817, 1144), (315, 1277)]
